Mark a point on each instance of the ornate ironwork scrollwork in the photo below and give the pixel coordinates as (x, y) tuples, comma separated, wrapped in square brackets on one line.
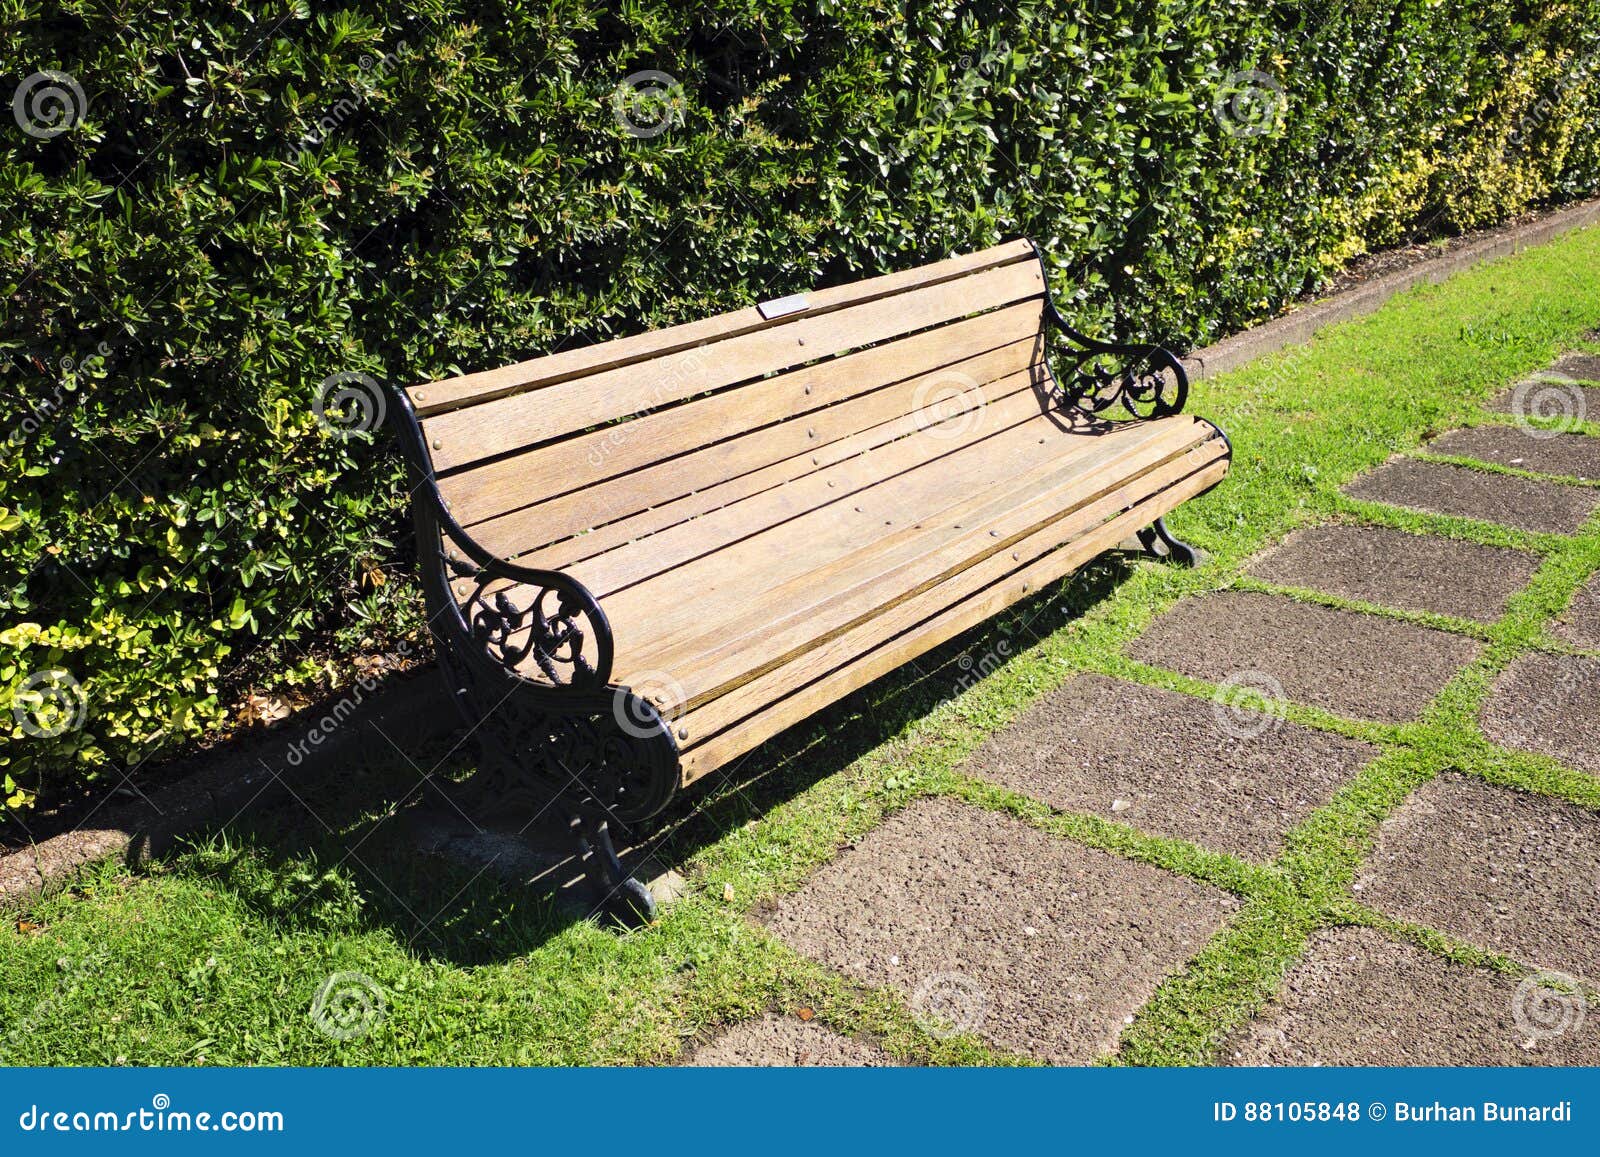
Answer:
[(495, 614), (1145, 380), (583, 755), (552, 620)]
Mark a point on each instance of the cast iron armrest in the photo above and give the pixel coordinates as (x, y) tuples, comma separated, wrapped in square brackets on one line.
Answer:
[(1146, 379), (559, 625)]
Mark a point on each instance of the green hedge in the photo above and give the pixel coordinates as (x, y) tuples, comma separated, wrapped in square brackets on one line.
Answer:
[(246, 199)]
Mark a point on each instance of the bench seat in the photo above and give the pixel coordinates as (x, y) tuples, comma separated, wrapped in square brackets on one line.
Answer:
[(759, 591), (745, 518)]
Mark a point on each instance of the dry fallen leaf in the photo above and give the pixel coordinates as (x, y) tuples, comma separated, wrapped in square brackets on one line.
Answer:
[(370, 665), (805, 1013), (727, 893), (258, 708), (27, 926)]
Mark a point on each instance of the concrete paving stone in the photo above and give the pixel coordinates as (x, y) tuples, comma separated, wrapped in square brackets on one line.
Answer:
[(1171, 764), (1544, 507), (984, 924), (1359, 998), (1548, 704), (1542, 451), (1581, 366), (1558, 400), (1579, 624), (1499, 868), (1364, 666), (786, 1042), (1391, 568)]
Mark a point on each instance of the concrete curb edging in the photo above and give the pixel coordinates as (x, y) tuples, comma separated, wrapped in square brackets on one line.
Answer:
[(215, 786), (223, 781)]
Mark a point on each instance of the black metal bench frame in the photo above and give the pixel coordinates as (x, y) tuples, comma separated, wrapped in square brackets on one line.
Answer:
[(597, 751)]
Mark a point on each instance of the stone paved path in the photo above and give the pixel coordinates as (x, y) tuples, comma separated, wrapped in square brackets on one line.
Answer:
[(1174, 765), (1373, 564), (1580, 624), (1497, 868), (1548, 704), (787, 1041), (1560, 398), (1440, 489), (1359, 665), (985, 924), (1358, 997), (1578, 366), (1541, 451), (980, 922)]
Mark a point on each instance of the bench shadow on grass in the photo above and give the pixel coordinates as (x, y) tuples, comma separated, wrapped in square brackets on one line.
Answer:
[(347, 854)]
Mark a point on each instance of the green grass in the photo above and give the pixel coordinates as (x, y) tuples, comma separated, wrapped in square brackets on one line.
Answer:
[(214, 954)]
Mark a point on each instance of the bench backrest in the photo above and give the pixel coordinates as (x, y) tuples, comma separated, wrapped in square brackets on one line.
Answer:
[(686, 419)]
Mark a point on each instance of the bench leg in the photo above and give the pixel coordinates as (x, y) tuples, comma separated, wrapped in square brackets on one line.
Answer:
[(604, 760), (625, 898), (1159, 543)]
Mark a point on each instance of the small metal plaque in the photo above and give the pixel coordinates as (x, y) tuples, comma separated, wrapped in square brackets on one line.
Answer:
[(783, 306)]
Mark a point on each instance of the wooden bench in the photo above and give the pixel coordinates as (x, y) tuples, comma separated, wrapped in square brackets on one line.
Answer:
[(643, 558)]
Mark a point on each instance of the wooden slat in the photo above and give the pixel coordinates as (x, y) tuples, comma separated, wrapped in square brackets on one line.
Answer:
[(462, 437), (808, 609), (675, 476), (979, 481), (731, 433), (623, 553), (469, 389), (729, 744), (1011, 335), (838, 485), (751, 695), (1013, 432), (874, 585)]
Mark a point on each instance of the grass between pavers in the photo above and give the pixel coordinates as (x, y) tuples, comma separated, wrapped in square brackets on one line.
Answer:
[(1515, 471), (215, 954)]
